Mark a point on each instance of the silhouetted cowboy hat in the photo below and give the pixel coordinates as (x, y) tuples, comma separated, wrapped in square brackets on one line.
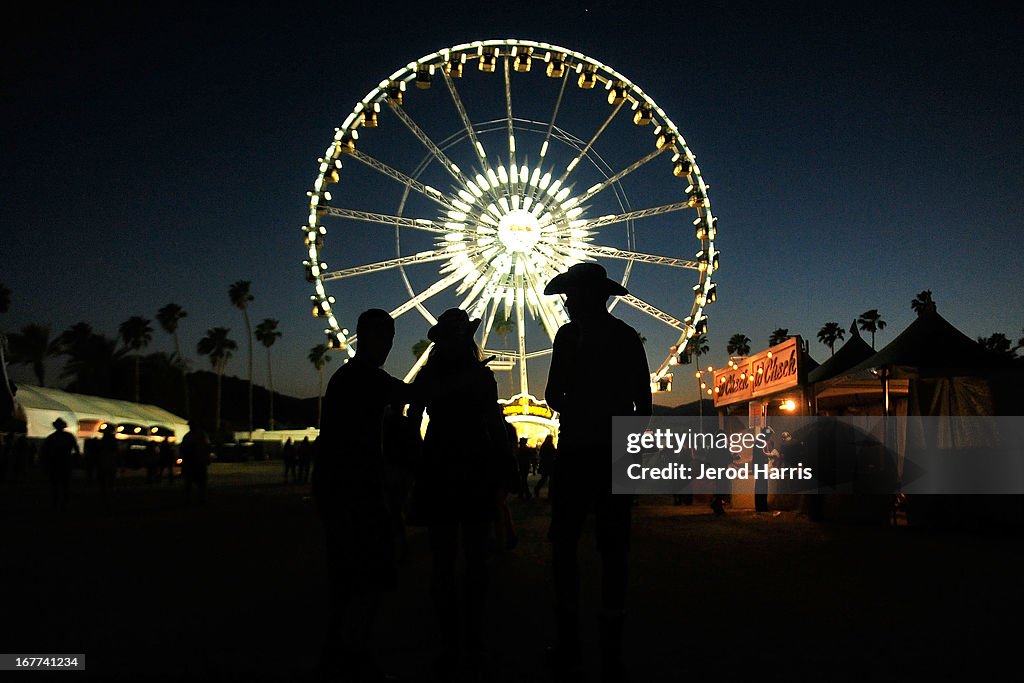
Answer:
[(451, 324), (59, 423), (585, 278)]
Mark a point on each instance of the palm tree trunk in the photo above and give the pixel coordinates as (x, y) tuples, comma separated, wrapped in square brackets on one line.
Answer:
[(184, 373), (270, 381), (320, 399), (217, 412), (248, 332)]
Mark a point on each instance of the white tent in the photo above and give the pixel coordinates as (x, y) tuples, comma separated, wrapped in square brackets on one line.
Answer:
[(40, 406)]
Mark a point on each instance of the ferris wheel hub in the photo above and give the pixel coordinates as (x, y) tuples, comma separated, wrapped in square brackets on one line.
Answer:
[(519, 231)]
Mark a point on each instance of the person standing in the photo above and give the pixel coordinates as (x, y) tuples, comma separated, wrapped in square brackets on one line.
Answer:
[(304, 460), (60, 449), (588, 387), (195, 459), (348, 486), (545, 465), (465, 449)]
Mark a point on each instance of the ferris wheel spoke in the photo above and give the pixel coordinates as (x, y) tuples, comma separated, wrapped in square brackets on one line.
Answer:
[(429, 192), (450, 166), (583, 153), (615, 178), (422, 224), (622, 254), (422, 257), (415, 369), (478, 147), (509, 128), (430, 291), (653, 311), (611, 219), (524, 384)]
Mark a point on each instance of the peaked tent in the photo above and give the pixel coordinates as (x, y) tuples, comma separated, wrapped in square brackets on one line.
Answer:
[(853, 352), (40, 406)]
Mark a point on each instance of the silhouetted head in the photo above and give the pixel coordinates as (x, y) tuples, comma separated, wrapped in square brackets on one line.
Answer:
[(453, 339), (60, 424), (376, 331), (586, 287)]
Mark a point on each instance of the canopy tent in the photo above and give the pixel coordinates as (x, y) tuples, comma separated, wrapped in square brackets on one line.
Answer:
[(40, 406), (948, 372), (853, 352)]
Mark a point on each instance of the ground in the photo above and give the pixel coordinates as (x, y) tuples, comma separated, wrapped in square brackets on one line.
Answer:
[(151, 586)]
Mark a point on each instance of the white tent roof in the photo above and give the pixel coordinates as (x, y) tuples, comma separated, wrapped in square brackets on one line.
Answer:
[(43, 405)]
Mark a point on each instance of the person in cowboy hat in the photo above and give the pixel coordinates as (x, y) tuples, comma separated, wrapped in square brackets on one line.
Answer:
[(59, 451), (459, 477), (598, 370), (348, 489)]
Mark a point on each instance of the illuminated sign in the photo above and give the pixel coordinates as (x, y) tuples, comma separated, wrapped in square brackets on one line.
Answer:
[(528, 409), (765, 373)]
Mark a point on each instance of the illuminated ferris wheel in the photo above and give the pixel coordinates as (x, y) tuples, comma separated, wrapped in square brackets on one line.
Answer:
[(473, 175)]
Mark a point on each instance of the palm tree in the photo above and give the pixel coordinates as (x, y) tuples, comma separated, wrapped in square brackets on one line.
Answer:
[(93, 360), (218, 346), (32, 346), (266, 334), (319, 356), (778, 336), (136, 333), (829, 334), (999, 344), (168, 317), (739, 345), (240, 298), (871, 321), (503, 327), (923, 302)]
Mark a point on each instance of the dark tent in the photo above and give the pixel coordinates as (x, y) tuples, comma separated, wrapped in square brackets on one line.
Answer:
[(853, 352)]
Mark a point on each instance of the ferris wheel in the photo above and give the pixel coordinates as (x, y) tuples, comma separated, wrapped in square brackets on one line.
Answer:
[(473, 175)]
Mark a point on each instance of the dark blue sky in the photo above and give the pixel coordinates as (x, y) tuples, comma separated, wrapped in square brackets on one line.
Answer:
[(856, 156)]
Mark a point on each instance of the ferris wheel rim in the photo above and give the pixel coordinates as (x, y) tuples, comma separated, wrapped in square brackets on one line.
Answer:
[(569, 59)]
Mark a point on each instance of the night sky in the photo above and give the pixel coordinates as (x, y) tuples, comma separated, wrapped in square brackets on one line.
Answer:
[(856, 157)]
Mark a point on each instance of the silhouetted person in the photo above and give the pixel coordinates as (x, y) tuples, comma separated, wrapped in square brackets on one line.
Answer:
[(464, 449), (720, 457), (401, 447), (348, 487), (303, 460), (588, 386), (504, 528), (59, 451), (106, 460), (763, 456), (524, 456), (545, 465), (167, 460), (195, 459), (291, 460)]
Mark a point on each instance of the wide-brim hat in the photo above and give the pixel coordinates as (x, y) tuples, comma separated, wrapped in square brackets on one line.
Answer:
[(585, 278), (452, 324), (59, 423)]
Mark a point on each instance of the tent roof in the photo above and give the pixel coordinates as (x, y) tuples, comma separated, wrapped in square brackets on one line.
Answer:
[(35, 399), (930, 346), (854, 351)]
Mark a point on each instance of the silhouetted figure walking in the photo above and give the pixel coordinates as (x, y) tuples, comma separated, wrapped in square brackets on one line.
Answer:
[(167, 460), (348, 486), (291, 459), (195, 460), (545, 465), (464, 449), (59, 451), (582, 371), (106, 460), (304, 459), (524, 456)]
